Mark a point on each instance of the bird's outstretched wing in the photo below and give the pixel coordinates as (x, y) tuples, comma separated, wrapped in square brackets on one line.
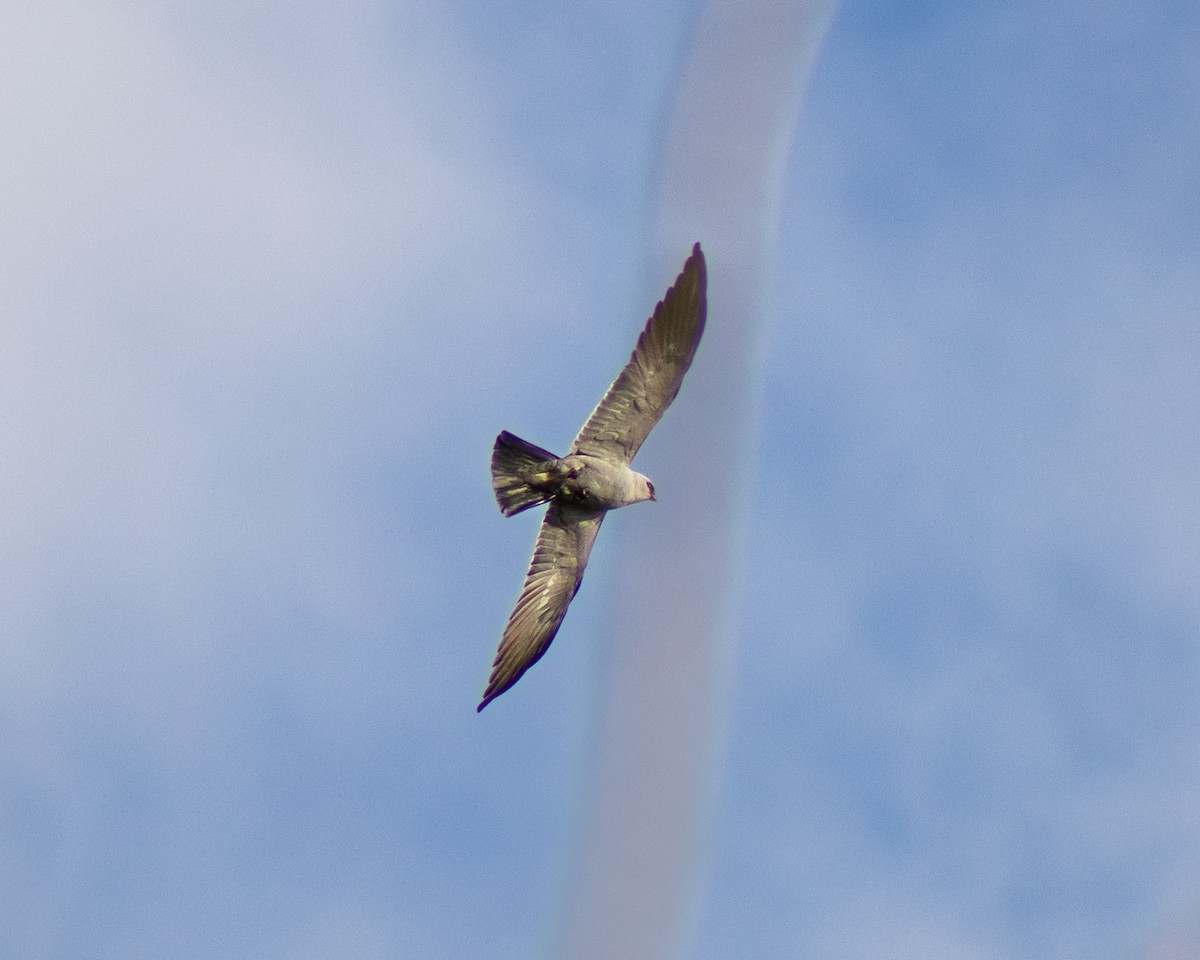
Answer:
[(563, 546), (639, 396)]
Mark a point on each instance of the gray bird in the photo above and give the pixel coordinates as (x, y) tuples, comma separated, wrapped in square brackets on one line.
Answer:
[(594, 477)]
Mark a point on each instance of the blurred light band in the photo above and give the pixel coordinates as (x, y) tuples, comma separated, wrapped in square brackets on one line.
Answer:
[(634, 889)]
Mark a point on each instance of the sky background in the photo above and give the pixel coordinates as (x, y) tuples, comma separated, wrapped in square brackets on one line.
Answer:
[(275, 275)]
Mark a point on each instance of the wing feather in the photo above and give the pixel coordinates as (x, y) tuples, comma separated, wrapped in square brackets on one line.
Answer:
[(559, 559), (641, 394)]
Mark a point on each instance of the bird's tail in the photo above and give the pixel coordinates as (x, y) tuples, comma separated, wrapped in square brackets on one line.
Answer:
[(520, 473)]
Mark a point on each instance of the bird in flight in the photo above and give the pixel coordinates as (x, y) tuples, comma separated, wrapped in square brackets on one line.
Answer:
[(594, 477)]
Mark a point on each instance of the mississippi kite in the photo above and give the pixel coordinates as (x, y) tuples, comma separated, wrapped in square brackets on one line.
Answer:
[(594, 477)]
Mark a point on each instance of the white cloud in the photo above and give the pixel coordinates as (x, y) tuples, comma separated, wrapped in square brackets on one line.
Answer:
[(969, 640), (243, 245), (247, 244)]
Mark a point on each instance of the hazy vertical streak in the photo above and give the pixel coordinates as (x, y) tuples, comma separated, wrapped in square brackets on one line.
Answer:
[(720, 179)]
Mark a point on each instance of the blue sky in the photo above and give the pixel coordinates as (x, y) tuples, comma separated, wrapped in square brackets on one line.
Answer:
[(276, 274)]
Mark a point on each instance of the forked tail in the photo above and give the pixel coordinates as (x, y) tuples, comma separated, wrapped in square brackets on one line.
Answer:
[(517, 467)]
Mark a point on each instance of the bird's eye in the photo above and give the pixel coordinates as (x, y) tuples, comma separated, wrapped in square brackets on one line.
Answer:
[(650, 487)]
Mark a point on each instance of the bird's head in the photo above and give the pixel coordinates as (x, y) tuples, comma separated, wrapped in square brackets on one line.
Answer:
[(646, 489)]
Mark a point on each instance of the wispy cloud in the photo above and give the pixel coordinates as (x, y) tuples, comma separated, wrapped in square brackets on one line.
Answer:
[(274, 276)]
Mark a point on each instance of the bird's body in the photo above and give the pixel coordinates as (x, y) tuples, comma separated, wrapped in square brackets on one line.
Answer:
[(580, 479), (602, 484), (594, 477)]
